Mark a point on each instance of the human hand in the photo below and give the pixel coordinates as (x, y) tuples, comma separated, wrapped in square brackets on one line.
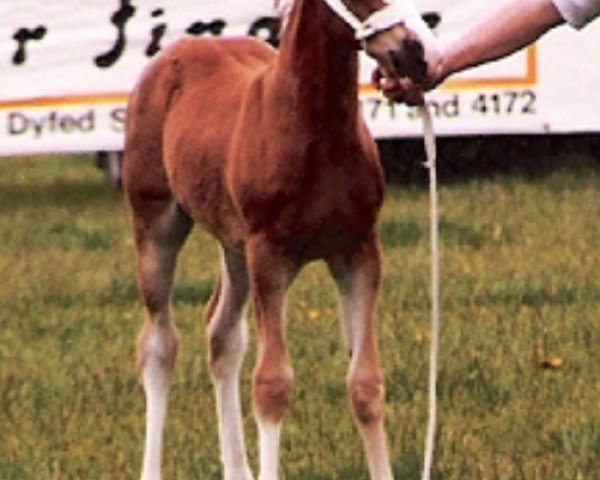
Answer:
[(401, 90), (403, 86)]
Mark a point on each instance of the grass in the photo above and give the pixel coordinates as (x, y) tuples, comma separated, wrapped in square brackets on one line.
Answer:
[(519, 381)]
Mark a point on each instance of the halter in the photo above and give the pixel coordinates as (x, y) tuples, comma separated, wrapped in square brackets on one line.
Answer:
[(396, 12)]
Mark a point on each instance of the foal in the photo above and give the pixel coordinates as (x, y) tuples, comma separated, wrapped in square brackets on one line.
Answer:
[(269, 154)]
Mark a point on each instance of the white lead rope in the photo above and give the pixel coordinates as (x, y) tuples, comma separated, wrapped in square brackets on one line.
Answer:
[(430, 149)]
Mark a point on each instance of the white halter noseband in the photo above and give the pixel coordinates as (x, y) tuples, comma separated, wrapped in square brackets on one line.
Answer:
[(396, 12)]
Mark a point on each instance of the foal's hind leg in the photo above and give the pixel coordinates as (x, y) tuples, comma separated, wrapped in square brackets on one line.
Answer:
[(357, 276), (160, 231), (227, 339)]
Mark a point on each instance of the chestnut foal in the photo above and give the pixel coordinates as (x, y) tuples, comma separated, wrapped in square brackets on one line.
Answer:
[(268, 153)]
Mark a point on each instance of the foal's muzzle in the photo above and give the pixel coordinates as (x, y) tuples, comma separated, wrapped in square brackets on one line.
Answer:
[(403, 53)]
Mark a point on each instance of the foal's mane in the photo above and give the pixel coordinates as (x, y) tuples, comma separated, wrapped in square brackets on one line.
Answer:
[(284, 8)]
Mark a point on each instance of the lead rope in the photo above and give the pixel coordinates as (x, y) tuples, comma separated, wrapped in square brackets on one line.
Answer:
[(430, 149)]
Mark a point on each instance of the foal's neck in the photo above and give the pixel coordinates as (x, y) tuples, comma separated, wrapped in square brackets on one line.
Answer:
[(318, 61)]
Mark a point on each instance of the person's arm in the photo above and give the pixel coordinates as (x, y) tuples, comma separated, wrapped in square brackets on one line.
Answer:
[(512, 25), (509, 27)]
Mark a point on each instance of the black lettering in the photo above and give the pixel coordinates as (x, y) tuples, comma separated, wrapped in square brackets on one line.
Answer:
[(50, 123), (22, 36), (17, 123), (392, 109), (87, 122), (215, 28), (512, 98), (67, 124), (432, 19), (119, 19), (157, 33), (267, 29), (530, 99), (480, 104), (451, 108), (38, 124), (376, 104), (117, 116)]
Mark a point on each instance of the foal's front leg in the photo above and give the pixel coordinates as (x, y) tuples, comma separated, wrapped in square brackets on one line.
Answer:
[(270, 275), (357, 275)]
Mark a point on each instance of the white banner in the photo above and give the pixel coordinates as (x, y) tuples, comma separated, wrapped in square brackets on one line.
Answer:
[(68, 66)]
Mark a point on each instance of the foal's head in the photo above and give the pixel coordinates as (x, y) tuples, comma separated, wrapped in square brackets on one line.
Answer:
[(405, 49)]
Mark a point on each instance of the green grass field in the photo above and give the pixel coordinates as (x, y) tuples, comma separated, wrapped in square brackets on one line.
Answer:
[(520, 342)]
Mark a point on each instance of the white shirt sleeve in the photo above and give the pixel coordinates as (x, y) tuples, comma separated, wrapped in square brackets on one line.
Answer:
[(578, 12)]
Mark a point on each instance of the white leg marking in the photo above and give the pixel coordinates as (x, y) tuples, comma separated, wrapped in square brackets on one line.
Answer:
[(352, 315), (225, 376), (269, 436), (229, 415), (377, 457), (156, 386), (231, 434)]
